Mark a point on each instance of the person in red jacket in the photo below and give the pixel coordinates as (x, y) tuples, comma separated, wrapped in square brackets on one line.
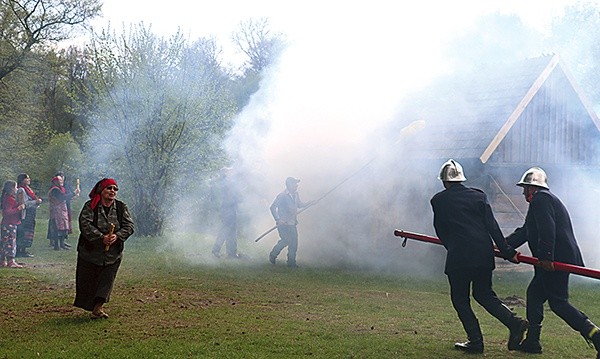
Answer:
[(11, 218)]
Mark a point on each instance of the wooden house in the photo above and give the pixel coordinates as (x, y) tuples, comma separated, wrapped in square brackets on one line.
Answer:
[(499, 122)]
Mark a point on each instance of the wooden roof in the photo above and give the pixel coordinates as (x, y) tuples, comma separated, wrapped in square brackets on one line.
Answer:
[(469, 117)]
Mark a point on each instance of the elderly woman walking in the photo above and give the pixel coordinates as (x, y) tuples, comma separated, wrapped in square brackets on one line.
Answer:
[(11, 217), (105, 224), (26, 229)]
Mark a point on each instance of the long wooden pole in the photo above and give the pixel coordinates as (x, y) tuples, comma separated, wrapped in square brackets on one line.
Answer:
[(406, 131)]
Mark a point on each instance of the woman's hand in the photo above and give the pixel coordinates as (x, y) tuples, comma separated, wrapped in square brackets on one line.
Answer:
[(109, 239)]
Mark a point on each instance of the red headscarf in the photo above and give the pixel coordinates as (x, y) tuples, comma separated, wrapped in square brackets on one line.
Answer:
[(98, 188), (56, 183)]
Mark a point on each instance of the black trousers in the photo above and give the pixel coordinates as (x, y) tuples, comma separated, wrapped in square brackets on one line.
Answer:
[(554, 288), (481, 280)]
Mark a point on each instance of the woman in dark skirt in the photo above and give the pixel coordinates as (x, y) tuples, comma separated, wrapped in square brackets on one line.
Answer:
[(105, 224), (26, 229)]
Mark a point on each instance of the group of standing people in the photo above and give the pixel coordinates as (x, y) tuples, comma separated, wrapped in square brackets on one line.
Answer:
[(19, 209), (464, 222), (19, 203), (104, 222)]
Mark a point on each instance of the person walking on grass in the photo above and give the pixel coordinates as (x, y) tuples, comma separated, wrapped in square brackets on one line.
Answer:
[(549, 233), (11, 218), (105, 224), (285, 210), (464, 222)]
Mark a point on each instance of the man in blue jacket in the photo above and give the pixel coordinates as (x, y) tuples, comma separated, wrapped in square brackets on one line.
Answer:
[(549, 234), (464, 222)]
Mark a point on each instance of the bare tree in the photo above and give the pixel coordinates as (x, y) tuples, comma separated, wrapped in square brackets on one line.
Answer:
[(26, 23), (258, 43)]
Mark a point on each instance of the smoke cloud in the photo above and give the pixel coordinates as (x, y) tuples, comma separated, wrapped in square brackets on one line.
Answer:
[(323, 114)]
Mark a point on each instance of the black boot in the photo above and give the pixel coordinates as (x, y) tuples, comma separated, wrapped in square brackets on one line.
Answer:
[(517, 333), (56, 244), (596, 341), (475, 343), (532, 344), (591, 333), (62, 245), (515, 324), (22, 253)]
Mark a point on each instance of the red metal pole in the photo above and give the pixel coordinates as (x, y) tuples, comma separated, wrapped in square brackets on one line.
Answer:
[(564, 267)]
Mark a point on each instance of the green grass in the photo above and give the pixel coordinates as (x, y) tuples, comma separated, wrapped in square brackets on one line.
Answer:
[(165, 307)]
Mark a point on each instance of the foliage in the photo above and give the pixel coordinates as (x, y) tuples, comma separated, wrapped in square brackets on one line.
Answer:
[(258, 43), (28, 97), (62, 154), (26, 23), (157, 111), (261, 48), (55, 78), (22, 131)]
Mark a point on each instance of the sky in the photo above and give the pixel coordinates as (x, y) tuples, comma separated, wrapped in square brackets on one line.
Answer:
[(348, 66), (402, 43), (424, 24)]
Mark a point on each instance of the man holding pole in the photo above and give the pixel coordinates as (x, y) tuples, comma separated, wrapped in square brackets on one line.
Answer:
[(549, 234), (466, 226), (285, 210)]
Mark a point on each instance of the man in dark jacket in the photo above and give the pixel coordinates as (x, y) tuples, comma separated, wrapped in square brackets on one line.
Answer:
[(465, 223), (549, 233)]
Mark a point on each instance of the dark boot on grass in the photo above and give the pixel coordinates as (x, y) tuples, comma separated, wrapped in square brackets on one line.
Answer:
[(517, 333), (475, 343), (532, 344), (591, 333), (63, 246)]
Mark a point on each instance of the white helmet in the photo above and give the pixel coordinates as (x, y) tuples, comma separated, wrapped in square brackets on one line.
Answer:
[(452, 171), (534, 176)]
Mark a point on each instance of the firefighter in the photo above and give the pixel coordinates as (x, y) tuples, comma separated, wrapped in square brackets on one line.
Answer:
[(464, 222), (549, 234)]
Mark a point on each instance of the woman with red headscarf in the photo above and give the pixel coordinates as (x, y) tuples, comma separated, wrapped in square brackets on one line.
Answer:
[(59, 222), (105, 224)]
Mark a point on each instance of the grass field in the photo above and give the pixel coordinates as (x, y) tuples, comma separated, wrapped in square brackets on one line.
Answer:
[(165, 307)]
